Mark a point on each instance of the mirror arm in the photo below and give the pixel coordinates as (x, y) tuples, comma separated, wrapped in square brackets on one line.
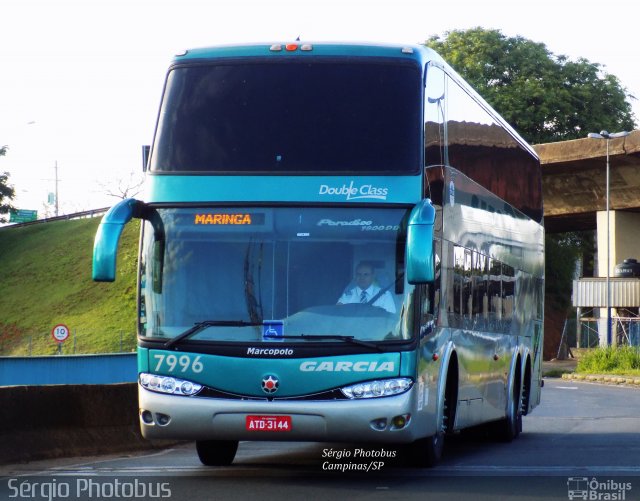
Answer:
[(105, 245)]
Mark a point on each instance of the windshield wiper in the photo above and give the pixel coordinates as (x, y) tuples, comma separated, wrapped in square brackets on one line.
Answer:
[(207, 323), (337, 337)]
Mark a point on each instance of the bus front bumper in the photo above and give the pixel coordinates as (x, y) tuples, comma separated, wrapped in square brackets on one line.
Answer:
[(381, 420)]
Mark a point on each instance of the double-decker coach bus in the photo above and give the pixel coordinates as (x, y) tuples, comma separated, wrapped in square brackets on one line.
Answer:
[(339, 243)]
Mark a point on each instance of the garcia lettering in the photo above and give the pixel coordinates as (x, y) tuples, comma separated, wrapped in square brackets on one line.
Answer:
[(344, 366)]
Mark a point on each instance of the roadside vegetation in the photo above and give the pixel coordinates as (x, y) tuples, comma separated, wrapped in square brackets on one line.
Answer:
[(619, 361), (46, 280)]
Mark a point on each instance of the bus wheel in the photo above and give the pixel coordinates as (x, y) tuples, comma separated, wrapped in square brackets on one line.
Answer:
[(427, 452), (433, 447), (510, 427), (216, 452)]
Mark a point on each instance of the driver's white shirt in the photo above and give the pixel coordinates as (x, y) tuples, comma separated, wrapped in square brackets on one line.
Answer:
[(384, 301)]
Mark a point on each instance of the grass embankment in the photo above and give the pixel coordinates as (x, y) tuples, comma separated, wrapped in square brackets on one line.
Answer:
[(619, 361), (46, 280)]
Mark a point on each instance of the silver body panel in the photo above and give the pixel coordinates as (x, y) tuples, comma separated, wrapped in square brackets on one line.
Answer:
[(211, 419)]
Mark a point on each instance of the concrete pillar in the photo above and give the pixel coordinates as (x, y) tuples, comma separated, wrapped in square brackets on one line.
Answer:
[(624, 228)]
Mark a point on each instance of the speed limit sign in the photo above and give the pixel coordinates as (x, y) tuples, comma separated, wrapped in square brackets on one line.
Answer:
[(60, 333)]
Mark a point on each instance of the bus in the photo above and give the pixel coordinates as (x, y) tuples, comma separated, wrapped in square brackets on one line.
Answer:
[(283, 181)]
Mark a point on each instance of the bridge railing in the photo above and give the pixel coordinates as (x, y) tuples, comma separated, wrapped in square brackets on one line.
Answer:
[(74, 215), (15, 343)]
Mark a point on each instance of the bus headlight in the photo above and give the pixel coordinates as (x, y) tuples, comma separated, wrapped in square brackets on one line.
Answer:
[(379, 388), (168, 384)]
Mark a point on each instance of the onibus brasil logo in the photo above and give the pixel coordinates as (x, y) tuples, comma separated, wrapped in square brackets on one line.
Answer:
[(594, 489)]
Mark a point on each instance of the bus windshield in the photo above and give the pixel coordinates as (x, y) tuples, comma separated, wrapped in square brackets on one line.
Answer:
[(242, 272), (294, 116)]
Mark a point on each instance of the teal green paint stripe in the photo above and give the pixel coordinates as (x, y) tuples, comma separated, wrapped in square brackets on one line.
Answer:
[(143, 360), (296, 376), (373, 189), (418, 53)]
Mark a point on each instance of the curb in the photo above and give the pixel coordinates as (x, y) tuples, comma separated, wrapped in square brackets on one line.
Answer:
[(597, 378)]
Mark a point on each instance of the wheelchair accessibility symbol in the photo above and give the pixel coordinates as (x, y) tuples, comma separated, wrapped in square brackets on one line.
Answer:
[(272, 329)]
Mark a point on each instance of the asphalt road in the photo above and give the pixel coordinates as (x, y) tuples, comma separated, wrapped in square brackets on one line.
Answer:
[(582, 442)]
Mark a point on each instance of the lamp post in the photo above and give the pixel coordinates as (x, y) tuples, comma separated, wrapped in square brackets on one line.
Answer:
[(608, 136)]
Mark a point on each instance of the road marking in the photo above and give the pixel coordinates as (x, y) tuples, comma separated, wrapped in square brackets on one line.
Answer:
[(567, 387), (443, 470)]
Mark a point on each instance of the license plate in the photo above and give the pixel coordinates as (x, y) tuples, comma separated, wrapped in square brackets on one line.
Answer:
[(268, 423)]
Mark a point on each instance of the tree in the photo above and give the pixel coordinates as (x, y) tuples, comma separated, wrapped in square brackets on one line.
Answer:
[(545, 97), (6, 192), (125, 187)]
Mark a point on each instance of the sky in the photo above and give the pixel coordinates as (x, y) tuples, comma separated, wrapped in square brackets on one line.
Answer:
[(80, 80)]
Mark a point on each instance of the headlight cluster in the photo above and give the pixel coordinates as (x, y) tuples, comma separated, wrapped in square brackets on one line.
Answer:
[(374, 389), (167, 384)]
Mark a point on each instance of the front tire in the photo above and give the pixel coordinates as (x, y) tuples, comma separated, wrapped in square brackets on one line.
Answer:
[(427, 452), (216, 452)]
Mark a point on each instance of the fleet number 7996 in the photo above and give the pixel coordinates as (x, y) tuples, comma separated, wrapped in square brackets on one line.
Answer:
[(174, 363)]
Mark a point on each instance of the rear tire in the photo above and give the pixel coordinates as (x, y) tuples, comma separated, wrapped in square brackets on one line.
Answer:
[(510, 427), (216, 452)]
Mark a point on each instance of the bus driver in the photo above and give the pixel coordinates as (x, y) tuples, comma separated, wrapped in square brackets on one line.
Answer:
[(365, 290)]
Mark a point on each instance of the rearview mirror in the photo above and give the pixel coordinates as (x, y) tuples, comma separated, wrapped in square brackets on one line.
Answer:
[(420, 262)]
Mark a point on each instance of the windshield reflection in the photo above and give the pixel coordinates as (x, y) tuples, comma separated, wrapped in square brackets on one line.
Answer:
[(244, 271)]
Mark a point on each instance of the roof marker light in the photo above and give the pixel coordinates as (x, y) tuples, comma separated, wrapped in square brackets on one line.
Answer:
[(291, 47), (407, 50), (276, 47), (306, 47)]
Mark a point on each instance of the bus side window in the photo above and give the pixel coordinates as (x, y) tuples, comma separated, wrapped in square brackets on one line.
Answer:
[(495, 294), (458, 285), (479, 290), (508, 296), (434, 116), (431, 295)]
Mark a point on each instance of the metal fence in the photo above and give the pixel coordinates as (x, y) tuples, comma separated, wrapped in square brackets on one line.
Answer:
[(625, 329)]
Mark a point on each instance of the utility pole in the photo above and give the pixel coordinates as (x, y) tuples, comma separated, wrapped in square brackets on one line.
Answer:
[(56, 169)]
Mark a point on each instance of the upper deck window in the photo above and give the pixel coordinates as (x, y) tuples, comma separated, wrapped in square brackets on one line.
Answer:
[(295, 116)]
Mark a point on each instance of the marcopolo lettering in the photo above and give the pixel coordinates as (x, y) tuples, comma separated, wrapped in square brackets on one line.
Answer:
[(270, 351), (344, 366)]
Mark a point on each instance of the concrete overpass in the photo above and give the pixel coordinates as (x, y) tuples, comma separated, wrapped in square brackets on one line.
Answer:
[(574, 180), (574, 190)]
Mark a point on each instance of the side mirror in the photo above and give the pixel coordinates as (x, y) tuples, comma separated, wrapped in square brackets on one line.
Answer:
[(105, 245), (420, 262)]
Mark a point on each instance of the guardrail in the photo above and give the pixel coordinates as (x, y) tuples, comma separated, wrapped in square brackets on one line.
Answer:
[(75, 215)]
